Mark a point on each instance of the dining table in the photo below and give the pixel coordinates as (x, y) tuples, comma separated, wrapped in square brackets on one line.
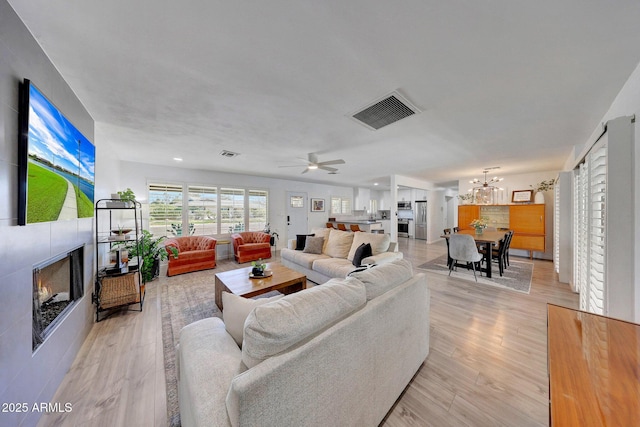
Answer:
[(486, 239)]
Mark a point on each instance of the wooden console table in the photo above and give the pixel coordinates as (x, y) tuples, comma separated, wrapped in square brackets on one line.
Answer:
[(594, 369)]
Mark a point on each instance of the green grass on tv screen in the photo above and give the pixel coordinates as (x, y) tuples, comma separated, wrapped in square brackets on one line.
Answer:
[(47, 192)]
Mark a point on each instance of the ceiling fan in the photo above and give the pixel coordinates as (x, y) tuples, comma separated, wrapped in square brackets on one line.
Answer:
[(313, 164)]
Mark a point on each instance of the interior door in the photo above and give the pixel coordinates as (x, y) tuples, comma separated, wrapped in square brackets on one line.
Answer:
[(297, 214)]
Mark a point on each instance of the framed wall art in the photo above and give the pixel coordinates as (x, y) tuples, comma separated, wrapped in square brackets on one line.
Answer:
[(522, 196), (317, 205)]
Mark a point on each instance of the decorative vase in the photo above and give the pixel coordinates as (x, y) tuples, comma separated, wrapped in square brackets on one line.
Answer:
[(257, 271), (479, 230), (539, 198)]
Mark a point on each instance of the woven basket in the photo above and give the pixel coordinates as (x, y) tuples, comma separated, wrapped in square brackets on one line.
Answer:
[(118, 290)]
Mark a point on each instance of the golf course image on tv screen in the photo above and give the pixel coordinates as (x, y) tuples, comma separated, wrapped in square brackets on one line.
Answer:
[(57, 173)]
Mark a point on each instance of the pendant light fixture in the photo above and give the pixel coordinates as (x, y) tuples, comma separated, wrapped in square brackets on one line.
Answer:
[(485, 192)]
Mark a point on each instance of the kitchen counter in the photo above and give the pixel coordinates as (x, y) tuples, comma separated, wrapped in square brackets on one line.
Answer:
[(364, 224)]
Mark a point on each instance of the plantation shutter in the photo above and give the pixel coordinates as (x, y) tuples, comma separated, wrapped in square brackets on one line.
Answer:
[(556, 228), (597, 228), (590, 192)]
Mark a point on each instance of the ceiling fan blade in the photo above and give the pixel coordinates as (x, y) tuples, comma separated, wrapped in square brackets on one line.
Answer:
[(291, 166), (332, 162), (326, 168), (306, 170), (312, 158)]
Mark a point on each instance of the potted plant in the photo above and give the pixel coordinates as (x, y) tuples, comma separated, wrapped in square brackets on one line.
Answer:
[(122, 199), (258, 267), (273, 234), (151, 252), (466, 199), (479, 224), (540, 187)]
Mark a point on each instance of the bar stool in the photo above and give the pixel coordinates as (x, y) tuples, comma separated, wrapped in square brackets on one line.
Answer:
[(447, 231), (342, 227), (330, 225), (355, 227)]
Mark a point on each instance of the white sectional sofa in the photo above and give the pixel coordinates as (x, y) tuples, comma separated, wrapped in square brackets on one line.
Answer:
[(339, 354), (337, 254)]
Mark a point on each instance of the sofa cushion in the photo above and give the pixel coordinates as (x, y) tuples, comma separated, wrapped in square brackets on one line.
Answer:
[(301, 240), (301, 258), (333, 267), (275, 327), (313, 245), (322, 232), (382, 278), (235, 312), (339, 243), (363, 251), (379, 243)]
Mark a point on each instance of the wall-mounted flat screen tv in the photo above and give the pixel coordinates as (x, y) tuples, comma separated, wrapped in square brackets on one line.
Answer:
[(56, 163)]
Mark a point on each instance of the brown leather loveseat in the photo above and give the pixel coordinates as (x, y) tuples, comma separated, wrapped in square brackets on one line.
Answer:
[(251, 246), (194, 253)]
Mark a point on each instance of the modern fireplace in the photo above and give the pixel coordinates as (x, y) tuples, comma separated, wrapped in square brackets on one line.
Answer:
[(57, 284)]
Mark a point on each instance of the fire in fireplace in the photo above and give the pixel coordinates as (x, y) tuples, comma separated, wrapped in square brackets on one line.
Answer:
[(57, 284)]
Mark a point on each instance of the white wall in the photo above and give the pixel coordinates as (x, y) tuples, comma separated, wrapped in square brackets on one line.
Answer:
[(137, 175), (626, 103)]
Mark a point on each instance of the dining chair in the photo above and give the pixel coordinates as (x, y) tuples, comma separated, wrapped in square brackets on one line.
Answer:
[(447, 231), (498, 254), (355, 227), (342, 227), (462, 247), (456, 229), (506, 250)]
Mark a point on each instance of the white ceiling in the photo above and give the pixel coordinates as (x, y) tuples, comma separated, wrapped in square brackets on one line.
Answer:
[(504, 83)]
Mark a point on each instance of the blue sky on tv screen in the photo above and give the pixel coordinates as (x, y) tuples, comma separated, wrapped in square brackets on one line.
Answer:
[(54, 138)]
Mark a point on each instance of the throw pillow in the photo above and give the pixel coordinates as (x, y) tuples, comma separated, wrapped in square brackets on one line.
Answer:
[(313, 245), (379, 243), (301, 240), (339, 243), (363, 251), (235, 312)]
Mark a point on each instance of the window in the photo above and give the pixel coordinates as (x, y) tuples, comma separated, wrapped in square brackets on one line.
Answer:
[(258, 209), (203, 210), (340, 205), (165, 209), (206, 209), (231, 210)]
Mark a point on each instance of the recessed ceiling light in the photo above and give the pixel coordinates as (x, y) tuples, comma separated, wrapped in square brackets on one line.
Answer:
[(375, 183), (177, 159)]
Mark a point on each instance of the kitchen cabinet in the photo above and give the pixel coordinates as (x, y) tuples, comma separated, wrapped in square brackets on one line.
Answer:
[(466, 214)]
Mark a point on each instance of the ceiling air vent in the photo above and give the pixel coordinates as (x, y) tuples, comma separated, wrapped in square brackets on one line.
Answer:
[(227, 153), (382, 112)]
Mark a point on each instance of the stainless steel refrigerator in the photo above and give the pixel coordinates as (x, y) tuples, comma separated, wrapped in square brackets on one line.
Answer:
[(420, 219)]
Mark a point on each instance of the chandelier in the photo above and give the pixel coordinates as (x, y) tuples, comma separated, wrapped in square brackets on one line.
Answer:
[(484, 192)]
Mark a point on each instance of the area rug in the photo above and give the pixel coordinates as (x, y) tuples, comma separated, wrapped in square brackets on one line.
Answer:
[(516, 277), (184, 299)]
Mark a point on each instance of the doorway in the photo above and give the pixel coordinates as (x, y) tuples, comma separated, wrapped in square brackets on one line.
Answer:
[(297, 214)]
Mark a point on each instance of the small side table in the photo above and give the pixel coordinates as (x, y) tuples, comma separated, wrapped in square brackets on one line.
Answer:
[(229, 248)]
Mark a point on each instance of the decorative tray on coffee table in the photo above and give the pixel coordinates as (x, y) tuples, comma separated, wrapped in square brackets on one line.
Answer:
[(264, 276)]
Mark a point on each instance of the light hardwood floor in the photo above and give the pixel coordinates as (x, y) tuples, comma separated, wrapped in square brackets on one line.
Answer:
[(487, 364)]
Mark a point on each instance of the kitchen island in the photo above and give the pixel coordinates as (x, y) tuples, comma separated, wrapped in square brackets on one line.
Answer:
[(371, 226)]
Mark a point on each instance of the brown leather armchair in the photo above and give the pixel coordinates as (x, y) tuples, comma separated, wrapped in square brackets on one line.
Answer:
[(194, 253), (251, 246)]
